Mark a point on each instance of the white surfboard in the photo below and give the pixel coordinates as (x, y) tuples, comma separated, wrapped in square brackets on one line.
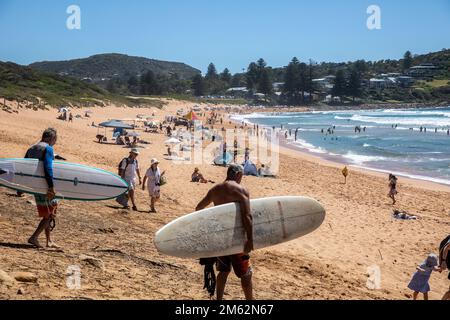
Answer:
[(72, 181), (218, 231)]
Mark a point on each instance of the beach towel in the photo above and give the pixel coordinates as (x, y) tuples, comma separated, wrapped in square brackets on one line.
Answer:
[(403, 215)]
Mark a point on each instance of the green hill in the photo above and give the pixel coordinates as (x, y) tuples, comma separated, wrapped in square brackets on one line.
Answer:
[(27, 84), (103, 67)]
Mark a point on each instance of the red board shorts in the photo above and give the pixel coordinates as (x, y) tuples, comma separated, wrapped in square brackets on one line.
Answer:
[(45, 208), (240, 262)]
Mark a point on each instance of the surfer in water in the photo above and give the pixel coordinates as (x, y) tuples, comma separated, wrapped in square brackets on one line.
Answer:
[(46, 205), (228, 192)]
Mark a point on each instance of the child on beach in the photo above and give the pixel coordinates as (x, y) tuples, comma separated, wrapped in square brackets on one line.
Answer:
[(392, 187), (419, 281)]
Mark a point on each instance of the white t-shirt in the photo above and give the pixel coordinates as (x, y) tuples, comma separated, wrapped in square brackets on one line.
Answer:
[(130, 170)]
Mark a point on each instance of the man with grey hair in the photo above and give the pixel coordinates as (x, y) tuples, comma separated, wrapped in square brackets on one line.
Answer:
[(228, 192), (129, 171), (46, 204)]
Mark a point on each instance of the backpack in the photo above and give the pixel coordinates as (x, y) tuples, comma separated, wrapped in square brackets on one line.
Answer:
[(120, 164), (441, 251)]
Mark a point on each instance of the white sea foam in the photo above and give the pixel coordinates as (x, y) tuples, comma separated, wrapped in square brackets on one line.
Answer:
[(360, 159), (310, 147), (434, 122)]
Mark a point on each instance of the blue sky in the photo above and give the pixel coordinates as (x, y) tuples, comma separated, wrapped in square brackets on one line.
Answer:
[(229, 33)]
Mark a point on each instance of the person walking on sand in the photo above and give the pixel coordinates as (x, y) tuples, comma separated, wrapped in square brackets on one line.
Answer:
[(420, 279), (153, 176), (392, 188), (228, 192), (444, 261), (46, 204), (129, 171)]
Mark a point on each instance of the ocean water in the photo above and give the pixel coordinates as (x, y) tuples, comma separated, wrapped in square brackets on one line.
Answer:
[(403, 150)]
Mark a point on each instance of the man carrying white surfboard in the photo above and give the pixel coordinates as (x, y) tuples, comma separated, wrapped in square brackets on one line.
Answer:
[(231, 191), (46, 205)]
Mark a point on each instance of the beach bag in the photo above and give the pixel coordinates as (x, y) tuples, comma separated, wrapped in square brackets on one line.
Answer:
[(162, 181), (120, 164)]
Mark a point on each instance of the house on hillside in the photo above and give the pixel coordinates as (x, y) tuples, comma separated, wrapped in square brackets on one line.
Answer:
[(324, 84), (278, 86), (405, 81), (425, 70), (378, 83), (237, 92)]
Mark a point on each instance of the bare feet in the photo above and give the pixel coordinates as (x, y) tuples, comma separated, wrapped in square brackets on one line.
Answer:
[(35, 243), (52, 245)]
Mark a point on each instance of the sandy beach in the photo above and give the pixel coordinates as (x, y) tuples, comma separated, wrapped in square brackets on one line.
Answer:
[(330, 263)]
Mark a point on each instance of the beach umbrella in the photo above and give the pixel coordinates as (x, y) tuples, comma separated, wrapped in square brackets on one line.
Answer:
[(115, 124), (173, 141), (191, 116)]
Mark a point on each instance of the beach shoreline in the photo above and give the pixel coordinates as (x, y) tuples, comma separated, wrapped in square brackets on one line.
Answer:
[(425, 182)]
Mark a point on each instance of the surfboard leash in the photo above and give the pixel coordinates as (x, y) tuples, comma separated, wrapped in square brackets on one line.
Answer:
[(209, 275)]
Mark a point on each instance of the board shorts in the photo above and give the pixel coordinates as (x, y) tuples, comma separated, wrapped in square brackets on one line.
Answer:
[(45, 208), (239, 262)]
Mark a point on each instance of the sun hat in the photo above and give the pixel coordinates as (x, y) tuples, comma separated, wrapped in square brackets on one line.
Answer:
[(135, 151), (153, 161)]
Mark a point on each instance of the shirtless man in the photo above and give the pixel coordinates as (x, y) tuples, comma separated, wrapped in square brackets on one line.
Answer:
[(226, 192), (444, 261)]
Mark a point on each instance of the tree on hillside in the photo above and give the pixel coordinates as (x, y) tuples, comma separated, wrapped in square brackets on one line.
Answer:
[(133, 85), (198, 85), (361, 66), (225, 76), (212, 72), (261, 64), (238, 80), (407, 60), (354, 84), (340, 85), (111, 86), (303, 77), (265, 84), (291, 81), (149, 85), (252, 77)]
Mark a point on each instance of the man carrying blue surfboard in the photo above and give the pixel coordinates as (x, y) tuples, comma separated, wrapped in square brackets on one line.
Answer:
[(46, 205), (231, 191)]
